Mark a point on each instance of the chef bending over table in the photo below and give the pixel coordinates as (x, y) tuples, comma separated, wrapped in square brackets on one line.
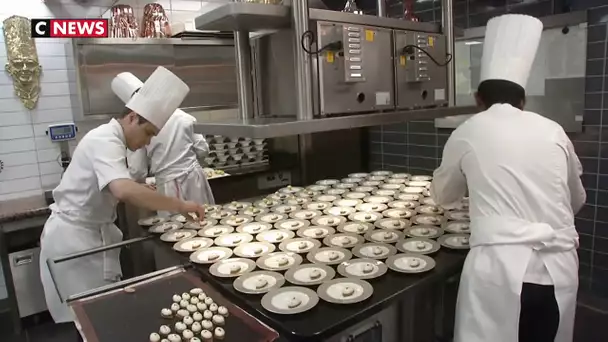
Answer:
[(84, 212), (172, 155), (520, 279)]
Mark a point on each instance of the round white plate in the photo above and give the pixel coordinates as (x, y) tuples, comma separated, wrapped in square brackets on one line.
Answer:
[(270, 217), (336, 192), (232, 239), (364, 189), (457, 215), (355, 195), (383, 173), (392, 223), (254, 211), (383, 235), (275, 235), (326, 198), (317, 187), (329, 255), (355, 227), (305, 214), (423, 178), (343, 240), (419, 183), (328, 182), (151, 221), (233, 267), (428, 209), (418, 246), (410, 263), (362, 268), (299, 245), (258, 282), (254, 249), (290, 300), (198, 225), (267, 203), (291, 224), (397, 213), (352, 180), (455, 241), (374, 250), (215, 231), (339, 211), (426, 220), (298, 201), (164, 227), (457, 227), (210, 255), (385, 192), (371, 207), (177, 235), (236, 220), (254, 227), (309, 274), (401, 175), (328, 220), (428, 201), (285, 208), (409, 197), (345, 291), (315, 232), (345, 186), (290, 189), (235, 206), (221, 214), (401, 204), (346, 202), (365, 216), (358, 175), (377, 199), (192, 244), (316, 206), (429, 232), (279, 261)]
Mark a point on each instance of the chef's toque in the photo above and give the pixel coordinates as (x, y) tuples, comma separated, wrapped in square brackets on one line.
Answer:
[(125, 84), (509, 48), (159, 97)]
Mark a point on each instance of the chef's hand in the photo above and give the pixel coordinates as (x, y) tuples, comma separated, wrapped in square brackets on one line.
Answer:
[(150, 186), (189, 207)]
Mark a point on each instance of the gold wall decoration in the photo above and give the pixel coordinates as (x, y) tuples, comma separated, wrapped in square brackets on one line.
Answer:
[(22, 64)]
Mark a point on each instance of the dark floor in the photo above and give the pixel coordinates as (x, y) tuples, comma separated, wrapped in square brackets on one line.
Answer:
[(591, 320)]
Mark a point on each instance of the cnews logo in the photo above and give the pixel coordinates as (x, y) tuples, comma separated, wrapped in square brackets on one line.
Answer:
[(70, 28)]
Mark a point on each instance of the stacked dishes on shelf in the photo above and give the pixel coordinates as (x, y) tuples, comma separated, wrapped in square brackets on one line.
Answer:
[(360, 227), (230, 153)]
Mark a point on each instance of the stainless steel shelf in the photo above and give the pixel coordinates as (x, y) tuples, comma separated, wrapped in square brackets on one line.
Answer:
[(279, 127), (253, 17)]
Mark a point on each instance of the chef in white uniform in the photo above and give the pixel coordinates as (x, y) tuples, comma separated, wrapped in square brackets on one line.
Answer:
[(520, 278), (172, 156), (84, 212)]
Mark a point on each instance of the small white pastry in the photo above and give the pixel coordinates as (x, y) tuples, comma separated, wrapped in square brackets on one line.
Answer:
[(201, 306), (218, 320), (213, 307), (154, 337), (196, 291), (180, 326), (166, 313), (184, 304), (175, 307), (188, 320), (188, 334), (185, 296), (219, 333), (197, 316), (177, 298), (164, 330), (206, 335), (174, 338), (195, 339), (222, 311), (202, 296), (191, 308), (207, 314), (194, 300), (196, 327), (208, 300), (183, 313), (207, 325), (164, 340)]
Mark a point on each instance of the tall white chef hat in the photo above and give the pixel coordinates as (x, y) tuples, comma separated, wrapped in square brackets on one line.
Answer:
[(159, 97), (125, 84), (509, 48)]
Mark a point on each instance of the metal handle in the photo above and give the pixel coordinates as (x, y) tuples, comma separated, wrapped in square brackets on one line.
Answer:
[(51, 262), (23, 259)]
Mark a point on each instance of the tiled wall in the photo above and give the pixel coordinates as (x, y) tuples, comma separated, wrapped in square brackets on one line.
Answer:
[(29, 157), (417, 146)]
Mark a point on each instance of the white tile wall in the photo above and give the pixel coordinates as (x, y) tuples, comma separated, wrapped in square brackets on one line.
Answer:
[(29, 157)]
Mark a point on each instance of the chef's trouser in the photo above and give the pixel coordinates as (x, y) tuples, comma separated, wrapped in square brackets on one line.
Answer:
[(539, 316)]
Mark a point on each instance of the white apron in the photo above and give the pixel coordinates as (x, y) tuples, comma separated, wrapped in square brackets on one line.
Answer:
[(488, 305), (189, 185), (63, 235)]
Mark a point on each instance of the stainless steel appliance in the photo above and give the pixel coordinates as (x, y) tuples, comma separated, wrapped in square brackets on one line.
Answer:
[(421, 69), (25, 268)]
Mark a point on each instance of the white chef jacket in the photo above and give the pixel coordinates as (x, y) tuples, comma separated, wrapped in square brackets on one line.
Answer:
[(514, 164), (172, 152), (82, 219)]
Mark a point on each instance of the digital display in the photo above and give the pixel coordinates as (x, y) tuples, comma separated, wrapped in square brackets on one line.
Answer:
[(61, 130)]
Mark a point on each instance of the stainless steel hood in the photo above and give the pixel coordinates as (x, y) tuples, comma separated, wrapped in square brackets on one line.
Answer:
[(277, 127)]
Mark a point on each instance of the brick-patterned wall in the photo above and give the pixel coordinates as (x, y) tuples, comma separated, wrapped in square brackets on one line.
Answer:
[(417, 146)]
